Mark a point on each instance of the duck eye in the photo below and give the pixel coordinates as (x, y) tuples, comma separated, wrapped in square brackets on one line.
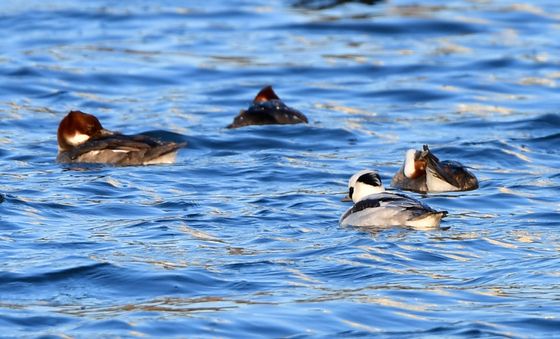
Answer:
[(351, 192)]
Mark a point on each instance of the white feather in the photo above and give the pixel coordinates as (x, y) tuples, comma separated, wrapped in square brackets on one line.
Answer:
[(77, 139), (435, 184), (409, 168)]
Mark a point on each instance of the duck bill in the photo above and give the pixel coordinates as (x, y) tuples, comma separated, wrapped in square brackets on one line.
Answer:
[(346, 199), (105, 132)]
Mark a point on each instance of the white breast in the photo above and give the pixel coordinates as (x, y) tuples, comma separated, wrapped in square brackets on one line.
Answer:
[(435, 184)]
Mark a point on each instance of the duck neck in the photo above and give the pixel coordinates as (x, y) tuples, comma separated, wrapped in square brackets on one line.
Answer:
[(409, 166)]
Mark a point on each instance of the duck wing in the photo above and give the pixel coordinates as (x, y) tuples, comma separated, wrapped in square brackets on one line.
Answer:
[(136, 149), (386, 199), (452, 172), (394, 208), (448, 171), (457, 175)]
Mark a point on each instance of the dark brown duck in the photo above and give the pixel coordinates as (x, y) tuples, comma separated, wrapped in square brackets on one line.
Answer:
[(268, 109)]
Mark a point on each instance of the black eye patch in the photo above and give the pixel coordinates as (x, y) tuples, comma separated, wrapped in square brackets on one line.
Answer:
[(370, 179), (351, 192)]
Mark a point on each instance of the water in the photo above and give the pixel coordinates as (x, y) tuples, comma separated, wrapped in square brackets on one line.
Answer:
[(240, 237)]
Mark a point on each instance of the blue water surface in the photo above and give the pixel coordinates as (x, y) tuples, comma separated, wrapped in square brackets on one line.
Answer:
[(240, 237)]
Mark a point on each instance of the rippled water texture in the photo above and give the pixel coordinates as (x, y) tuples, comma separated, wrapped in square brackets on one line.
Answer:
[(240, 237)]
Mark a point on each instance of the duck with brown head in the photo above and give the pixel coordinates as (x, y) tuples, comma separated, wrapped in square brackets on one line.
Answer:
[(267, 109), (78, 127), (82, 139)]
